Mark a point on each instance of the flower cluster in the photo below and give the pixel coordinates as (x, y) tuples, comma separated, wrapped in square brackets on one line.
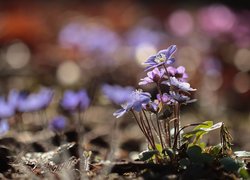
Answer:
[(23, 102), (18, 102), (162, 75), (173, 91)]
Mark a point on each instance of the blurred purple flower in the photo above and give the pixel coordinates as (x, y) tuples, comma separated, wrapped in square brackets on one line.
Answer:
[(216, 19), (163, 57), (117, 94), (183, 86), (6, 110), (136, 102), (143, 35), (73, 101), (58, 123), (8, 107), (34, 102), (4, 126), (152, 76), (179, 72), (89, 37)]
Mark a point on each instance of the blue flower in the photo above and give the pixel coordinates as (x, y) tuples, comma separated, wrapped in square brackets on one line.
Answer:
[(163, 57), (58, 123), (152, 76), (183, 86), (179, 72), (6, 110), (34, 102), (117, 94), (164, 98), (136, 102), (73, 101), (8, 107), (181, 98), (4, 126)]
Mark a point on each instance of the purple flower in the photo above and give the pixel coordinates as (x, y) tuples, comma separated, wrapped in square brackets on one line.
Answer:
[(8, 107), (181, 98), (117, 94), (34, 102), (73, 101), (136, 102), (165, 98), (183, 86), (152, 76), (151, 106), (4, 126), (179, 72), (58, 123), (161, 58)]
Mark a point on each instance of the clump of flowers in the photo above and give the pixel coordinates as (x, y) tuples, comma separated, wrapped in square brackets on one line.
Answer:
[(157, 117), (159, 121)]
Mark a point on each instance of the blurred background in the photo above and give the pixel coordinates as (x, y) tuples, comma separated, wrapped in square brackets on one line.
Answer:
[(74, 44)]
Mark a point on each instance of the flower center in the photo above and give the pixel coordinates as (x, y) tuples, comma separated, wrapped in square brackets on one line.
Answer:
[(160, 58)]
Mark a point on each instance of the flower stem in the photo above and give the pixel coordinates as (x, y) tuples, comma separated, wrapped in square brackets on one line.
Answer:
[(177, 125), (159, 131), (142, 127)]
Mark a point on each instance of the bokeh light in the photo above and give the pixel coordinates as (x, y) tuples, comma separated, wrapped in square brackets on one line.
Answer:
[(143, 51), (241, 82), (68, 73), (17, 55), (242, 60), (181, 23)]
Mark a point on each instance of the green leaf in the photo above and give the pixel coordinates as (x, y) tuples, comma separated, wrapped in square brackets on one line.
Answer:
[(193, 133), (146, 155), (215, 150), (206, 158), (204, 125), (229, 164), (243, 173), (158, 147), (194, 153)]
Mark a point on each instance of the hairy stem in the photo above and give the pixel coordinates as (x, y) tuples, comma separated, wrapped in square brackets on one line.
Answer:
[(159, 131), (149, 130)]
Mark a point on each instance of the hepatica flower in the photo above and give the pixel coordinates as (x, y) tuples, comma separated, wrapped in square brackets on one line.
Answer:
[(117, 94), (178, 73), (4, 126), (165, 98), (135, 102), (73, 101), (58, 123), (183, 86), (34, 102), (153, 76), (8, 107), (181, 98), (163, 57)]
